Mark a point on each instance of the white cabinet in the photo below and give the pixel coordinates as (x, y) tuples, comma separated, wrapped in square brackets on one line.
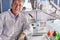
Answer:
[(36, 38), (39, 38)]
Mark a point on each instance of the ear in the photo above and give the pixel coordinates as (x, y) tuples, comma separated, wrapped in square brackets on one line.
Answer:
[(11, 5)]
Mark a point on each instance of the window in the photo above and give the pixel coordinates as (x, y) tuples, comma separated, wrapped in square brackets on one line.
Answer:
[(0, 7), (27, 5), (57, 2)]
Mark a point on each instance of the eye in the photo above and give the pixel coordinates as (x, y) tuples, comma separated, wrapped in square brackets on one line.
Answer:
[(20, 4), (15, 4)]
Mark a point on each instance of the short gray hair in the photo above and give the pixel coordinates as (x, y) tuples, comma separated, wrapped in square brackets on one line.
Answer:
[(12, 1), (18, 0)]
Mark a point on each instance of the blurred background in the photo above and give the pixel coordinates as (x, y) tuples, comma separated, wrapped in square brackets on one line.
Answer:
[(42, 15)]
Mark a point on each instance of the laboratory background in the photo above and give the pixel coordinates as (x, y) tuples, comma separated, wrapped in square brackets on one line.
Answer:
[(42, 15)]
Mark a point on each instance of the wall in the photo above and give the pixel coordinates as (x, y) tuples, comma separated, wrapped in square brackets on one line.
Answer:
[(5, 5)]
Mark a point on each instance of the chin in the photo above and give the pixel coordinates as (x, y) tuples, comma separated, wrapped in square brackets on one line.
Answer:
[(16, 11)]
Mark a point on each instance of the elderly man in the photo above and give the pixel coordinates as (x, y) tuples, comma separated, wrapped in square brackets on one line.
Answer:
[(13, 23)]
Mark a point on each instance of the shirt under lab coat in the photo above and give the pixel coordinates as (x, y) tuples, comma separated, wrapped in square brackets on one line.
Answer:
[(11, 26)]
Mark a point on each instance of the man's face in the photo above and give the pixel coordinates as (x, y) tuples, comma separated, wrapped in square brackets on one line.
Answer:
[(17, 7)]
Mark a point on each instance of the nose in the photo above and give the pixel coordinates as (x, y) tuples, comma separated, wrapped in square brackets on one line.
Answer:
[(17, 6)]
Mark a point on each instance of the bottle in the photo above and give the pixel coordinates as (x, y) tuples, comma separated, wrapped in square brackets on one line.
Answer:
[(58, 36), (52, 35), (38, 26), (38, 23)]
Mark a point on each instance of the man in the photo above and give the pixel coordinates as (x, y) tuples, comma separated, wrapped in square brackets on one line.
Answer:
[(13, 23)]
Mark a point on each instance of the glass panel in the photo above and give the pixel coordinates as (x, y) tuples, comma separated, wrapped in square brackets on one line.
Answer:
[(28, 5), (42, 1), (0, 6), (56, 1), (32, 4), (59, 3)]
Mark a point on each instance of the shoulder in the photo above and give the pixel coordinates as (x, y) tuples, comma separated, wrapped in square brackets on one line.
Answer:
[(23, 15), (3, 15)]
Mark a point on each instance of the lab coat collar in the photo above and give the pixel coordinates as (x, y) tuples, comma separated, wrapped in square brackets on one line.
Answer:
[(13, 14)]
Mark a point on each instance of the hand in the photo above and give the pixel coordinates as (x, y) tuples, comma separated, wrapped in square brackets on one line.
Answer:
[(21, 37)]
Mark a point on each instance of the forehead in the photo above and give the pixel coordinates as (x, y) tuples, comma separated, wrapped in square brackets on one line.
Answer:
[(19, 1)]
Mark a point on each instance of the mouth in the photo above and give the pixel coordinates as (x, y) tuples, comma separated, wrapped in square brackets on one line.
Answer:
[(16, 9)]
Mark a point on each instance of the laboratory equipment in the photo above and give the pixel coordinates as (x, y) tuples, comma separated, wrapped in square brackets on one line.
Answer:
[(38, 23), (51, 35), (58, 36)]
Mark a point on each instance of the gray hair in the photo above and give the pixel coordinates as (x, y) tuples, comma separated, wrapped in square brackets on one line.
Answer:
[(12, 1)]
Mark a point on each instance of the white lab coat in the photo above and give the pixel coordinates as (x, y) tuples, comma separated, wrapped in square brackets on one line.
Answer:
[(11, 26)]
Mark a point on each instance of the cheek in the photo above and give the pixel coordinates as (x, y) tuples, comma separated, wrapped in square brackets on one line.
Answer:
[(20, 8), (13, 7)]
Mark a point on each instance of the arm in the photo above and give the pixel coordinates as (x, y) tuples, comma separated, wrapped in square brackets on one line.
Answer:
[(1, 28), (27, 29), (3, 36)]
